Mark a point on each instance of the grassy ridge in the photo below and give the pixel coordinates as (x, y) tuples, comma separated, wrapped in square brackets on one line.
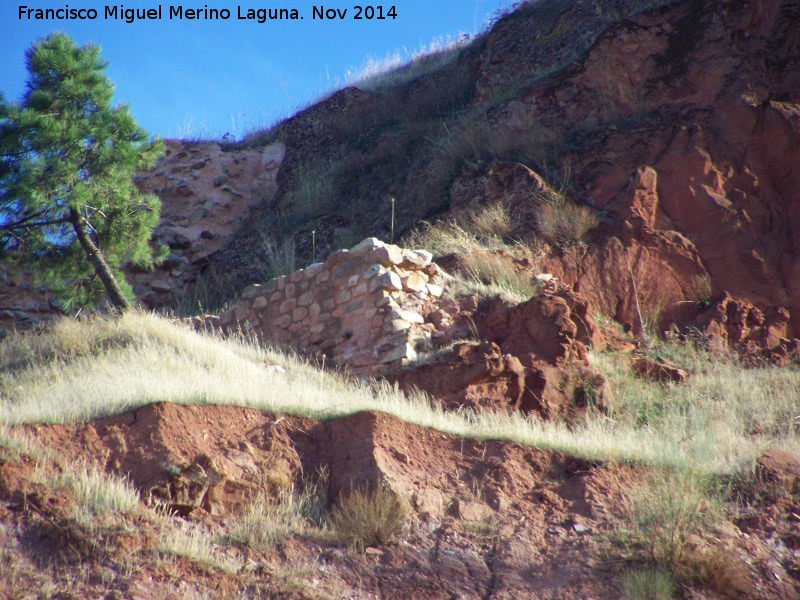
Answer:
[(718, 423)]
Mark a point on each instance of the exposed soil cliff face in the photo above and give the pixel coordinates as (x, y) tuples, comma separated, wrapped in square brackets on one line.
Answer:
[(683, 127), (488, 519)]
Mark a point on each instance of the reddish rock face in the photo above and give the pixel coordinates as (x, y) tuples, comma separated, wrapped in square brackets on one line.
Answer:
[(659, 370), (473, 375), (533, 357), (685, 125)]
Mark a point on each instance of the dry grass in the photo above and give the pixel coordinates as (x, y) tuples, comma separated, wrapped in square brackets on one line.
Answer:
[(679, 527), (492, 276), (180, 538), (693, 436), (649, 584), (563, 222), (268, 522), (98, 492), (478, 238), (365, 518), (80, 371), (399, 68)]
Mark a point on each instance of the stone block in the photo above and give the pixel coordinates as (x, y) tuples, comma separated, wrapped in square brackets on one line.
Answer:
[(363, 359), (343, 297), (251, 291), (314, 310), (384, 301), (432, 270), (323, 276), (344, 269), (352, 281), (332, 329), (373, 270), (397, 325), (387, 255), (412, 261), (387, 281), (353, 306), (407, 315), (291, 290), (281, 282), (426, 256), (242, 311), (276, 296), (270, 286), (287, 306), (435, 290), (160, 285), (284, 321), (337, 257), (306, 299), (259, 303), (360, 289), (312, 270), (226, 317), (414, 283), (329, 304), (367, 245), (403, 351), (299, 314), (297, 276)]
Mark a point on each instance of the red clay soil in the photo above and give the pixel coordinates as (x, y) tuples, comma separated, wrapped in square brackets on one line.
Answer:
[(489, 519)]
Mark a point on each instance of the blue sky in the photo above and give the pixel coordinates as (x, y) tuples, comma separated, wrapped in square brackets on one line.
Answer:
[(205, 78)]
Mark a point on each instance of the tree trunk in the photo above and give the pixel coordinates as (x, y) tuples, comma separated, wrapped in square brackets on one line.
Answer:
[(99, 263)]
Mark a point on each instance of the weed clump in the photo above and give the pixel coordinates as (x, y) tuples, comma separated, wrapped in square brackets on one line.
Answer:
[(364, 518)]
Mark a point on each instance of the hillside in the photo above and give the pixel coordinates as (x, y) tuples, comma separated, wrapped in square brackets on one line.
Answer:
[(517, 320)]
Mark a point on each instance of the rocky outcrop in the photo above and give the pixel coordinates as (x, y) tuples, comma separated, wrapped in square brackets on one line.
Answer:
[(470, 374), (207, 194), (659, 370)]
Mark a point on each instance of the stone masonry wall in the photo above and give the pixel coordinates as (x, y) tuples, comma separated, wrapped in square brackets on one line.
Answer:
[(362, 307)]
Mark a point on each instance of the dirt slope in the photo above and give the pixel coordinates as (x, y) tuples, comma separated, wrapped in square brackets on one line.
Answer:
[(489, 519)]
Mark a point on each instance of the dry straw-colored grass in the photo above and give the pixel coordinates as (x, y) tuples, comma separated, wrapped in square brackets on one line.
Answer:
[(479, 237), (364, 518), (79, 371)]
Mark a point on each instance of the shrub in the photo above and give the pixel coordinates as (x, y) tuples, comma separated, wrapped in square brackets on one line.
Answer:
[(280, 257), (665, 510), (563, 222), (649, 584), (364, 518)]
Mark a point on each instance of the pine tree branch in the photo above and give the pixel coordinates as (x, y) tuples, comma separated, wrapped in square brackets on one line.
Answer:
[(24, 225), (24, 222)]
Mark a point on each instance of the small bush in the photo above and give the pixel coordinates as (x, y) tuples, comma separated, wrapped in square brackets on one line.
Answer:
[(280, 258), (649, 584), (562, 222), (492, 220), (364, 518), (665, 510)]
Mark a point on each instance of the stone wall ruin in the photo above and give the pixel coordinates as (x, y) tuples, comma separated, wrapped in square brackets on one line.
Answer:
[(363, 307)]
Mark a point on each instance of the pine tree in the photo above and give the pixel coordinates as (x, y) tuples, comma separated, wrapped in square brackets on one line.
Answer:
[(68, 205)]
